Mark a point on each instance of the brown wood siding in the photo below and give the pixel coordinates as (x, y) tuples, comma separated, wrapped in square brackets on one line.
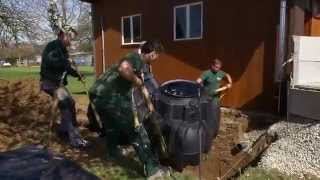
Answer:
[(96, 11), (315, 27), (112, 25), (241, 33)]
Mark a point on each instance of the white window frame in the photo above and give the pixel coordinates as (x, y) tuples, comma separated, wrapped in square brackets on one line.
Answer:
[(187, 6), (131, 29)]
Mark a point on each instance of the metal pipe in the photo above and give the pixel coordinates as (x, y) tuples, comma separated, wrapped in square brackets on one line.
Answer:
[(281, 41), (103, 46), (281, 49)]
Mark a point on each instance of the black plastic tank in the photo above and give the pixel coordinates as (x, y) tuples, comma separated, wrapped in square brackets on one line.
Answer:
[(191, 121)]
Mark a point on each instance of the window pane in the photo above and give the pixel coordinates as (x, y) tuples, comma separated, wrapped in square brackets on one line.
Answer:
[(181, 23), (195, 21), (126, 30), (136, 28)]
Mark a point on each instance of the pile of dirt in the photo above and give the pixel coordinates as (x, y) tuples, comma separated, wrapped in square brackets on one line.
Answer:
[(25, 113)]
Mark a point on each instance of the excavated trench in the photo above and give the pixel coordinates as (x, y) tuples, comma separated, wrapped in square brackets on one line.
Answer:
[(25, 113), (227, 157)]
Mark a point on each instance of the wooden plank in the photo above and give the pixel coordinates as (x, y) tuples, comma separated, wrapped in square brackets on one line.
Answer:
[(246, 157)]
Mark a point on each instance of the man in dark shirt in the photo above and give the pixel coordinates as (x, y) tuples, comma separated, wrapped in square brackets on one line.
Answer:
[(112, 95), (55, 68)]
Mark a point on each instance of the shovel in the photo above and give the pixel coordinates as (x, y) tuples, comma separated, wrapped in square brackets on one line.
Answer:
[(154, 118), (83, 82)]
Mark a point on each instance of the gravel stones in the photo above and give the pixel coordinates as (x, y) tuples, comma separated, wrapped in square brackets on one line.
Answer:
[(297, 150)]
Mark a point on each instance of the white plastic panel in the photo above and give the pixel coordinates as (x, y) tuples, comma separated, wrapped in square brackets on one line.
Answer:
[(306, 67), (307, 72), (309, 48)]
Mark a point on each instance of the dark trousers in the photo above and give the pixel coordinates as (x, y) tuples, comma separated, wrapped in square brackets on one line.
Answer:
[(118, 123), (66, 106)]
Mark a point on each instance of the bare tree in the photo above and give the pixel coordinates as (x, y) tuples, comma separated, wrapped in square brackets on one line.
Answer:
[(15, 23), (27, 20)]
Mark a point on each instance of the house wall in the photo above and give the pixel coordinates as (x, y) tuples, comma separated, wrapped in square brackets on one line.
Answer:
[(315, 27), (97, 14), (241, 33)]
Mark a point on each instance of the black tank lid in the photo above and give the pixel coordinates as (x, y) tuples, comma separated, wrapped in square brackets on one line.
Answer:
[(180, 88)]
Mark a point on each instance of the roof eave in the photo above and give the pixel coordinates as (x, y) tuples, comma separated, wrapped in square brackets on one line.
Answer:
[(88, 1)]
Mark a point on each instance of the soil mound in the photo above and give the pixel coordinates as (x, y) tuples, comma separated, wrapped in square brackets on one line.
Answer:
[(25, 113)]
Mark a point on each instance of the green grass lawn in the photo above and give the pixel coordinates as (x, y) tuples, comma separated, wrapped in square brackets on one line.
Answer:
[(75, 86)]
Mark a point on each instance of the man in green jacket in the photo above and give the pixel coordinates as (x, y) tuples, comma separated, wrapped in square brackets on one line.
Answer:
[(211, 80), (112, 97), (55, 68)]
